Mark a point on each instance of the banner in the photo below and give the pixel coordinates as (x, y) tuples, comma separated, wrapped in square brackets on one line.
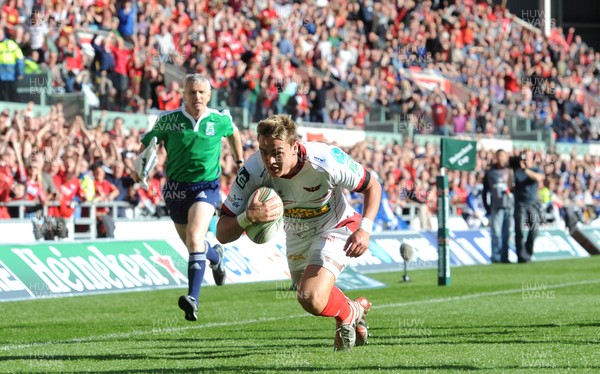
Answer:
[(57, 269), (458, 154), (61, 269)]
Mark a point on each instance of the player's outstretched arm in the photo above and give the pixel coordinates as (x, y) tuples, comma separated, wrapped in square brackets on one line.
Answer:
[(358, 242)]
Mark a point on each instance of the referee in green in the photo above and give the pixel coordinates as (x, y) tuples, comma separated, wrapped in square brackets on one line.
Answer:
[(192, 136)]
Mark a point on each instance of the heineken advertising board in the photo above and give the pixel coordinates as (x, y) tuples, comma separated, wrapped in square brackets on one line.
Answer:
[(61, 269), (67, 269)]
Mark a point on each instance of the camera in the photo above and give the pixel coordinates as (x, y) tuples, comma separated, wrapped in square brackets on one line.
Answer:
[(515, 161)]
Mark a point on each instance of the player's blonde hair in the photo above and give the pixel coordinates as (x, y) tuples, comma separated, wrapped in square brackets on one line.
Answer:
[(278, 126)]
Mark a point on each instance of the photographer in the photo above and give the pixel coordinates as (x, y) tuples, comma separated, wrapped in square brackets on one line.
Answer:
[(527, 179), (498, 202)]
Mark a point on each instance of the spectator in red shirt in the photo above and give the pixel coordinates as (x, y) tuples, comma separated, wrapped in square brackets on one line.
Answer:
[(6, 183), (439, 113), (69, 187), (459, 192), (170, 99), (268, 16), (11, 12), (181, 18), (73, 62), (34, 190), (136, 72), (510, 81), (151, 197), (104, 192), (122, 55)]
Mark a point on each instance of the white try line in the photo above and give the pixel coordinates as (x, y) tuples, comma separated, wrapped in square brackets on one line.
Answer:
[(125, 335)]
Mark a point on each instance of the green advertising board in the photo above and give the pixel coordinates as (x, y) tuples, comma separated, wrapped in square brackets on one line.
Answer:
[(553, 244), (459, 154), (350, 279), (589, 238), (66, 269)]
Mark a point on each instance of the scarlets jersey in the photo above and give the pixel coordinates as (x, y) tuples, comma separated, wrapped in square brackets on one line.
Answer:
[(313, 198)]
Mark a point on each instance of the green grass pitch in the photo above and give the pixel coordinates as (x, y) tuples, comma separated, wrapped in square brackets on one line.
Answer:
[(540, 317)]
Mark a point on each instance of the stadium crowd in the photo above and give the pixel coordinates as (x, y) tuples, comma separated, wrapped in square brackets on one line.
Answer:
[(265, 55), (47, 159)]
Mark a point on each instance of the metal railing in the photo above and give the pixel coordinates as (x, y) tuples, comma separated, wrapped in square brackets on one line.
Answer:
[(89, 221), (408, 213)]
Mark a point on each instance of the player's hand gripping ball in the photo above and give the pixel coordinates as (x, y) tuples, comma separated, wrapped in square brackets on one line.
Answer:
[(263, 232)]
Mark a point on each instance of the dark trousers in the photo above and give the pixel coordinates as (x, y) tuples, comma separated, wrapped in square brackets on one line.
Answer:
[(8, 91), (526, 214)]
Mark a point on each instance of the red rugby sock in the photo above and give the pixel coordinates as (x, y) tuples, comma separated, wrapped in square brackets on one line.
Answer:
[(337, 306)]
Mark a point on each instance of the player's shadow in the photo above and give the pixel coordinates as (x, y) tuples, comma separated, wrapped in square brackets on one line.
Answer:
[(254, 344), (540, 325), (51, 357), (303, 368)]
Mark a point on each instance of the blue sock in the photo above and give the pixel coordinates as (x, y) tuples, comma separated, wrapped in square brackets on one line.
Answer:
[(196, 268), (211, 254)]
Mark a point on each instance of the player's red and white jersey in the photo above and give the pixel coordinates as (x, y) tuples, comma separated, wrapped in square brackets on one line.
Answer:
[(313, 198)]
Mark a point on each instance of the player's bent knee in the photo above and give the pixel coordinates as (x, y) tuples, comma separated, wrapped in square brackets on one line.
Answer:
[(195, 244), (312, 301)]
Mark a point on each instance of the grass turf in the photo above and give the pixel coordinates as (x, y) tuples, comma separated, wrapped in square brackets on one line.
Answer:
[(540, 317)]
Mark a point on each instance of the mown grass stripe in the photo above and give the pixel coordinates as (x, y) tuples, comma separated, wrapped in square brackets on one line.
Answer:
[(210, 325)]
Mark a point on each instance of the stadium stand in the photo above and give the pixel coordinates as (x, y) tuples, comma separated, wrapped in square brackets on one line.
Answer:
[(346, 64), (269, 57)]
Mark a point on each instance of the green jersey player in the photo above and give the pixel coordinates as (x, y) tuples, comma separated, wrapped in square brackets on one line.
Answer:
[(192, 137)]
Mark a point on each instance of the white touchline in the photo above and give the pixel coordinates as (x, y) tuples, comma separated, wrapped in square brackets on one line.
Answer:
[(209, 325)]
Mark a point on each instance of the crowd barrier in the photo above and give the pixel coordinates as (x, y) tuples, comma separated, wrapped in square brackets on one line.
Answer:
[(20, 229)]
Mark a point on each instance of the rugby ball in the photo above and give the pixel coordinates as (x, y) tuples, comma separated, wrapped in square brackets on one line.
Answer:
[(261, 233)]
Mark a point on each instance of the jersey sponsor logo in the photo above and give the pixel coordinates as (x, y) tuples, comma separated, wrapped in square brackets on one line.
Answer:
[(263, 172), (242, 178), (339, 155), (210, 129), (342, 158), (313, 188), (303, 213), (296, 257), (234, 201), (321, 160)]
